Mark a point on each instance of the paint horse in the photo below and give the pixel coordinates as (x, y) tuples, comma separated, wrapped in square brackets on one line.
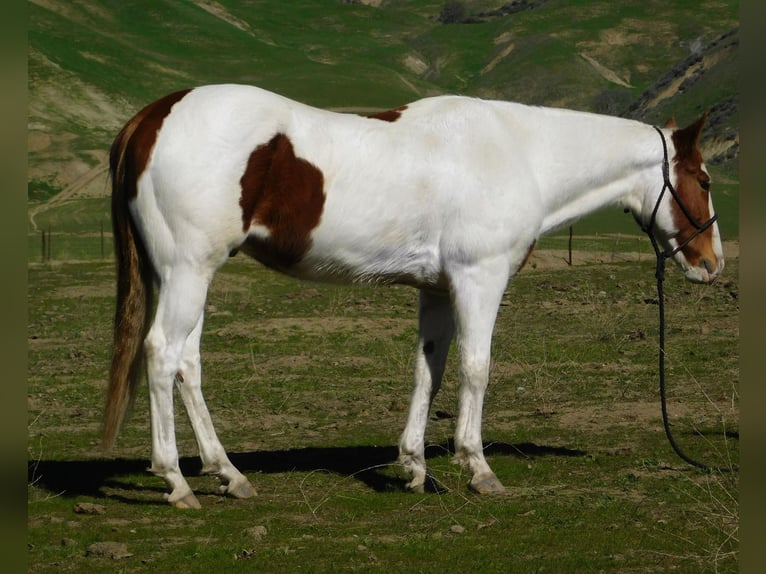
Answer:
[(447, 194)]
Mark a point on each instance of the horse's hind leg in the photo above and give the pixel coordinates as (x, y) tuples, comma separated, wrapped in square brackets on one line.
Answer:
[(180, 307), (214, 458), (436, 327)]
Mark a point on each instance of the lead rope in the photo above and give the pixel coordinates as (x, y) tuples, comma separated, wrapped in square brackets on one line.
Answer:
[(662, 256), (660, 275)]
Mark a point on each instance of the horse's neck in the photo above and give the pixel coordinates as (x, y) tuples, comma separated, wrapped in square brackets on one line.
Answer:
[(593, 161)]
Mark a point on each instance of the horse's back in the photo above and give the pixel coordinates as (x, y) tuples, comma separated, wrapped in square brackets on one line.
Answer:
[(323, 194)]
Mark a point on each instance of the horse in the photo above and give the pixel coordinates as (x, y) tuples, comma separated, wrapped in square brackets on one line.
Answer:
[(447, 194)]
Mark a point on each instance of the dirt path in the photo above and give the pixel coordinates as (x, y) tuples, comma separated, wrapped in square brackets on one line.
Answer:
[(69, 192)]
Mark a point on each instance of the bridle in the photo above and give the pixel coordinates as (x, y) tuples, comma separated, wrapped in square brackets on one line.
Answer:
[(662, 256)]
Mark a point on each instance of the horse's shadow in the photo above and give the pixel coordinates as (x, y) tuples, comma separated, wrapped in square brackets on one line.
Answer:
[(364, 463)]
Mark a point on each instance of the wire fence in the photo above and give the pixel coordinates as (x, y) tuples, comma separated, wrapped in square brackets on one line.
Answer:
[(48, 245)]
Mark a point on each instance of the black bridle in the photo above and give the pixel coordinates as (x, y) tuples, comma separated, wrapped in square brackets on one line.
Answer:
[(662, 256)]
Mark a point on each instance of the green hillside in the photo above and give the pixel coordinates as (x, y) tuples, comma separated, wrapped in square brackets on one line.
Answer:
[(93, 63)]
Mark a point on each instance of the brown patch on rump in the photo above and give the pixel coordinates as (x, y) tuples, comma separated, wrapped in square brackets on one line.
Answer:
[(133, 145), (285, 194), (689, 186), (389, 115)]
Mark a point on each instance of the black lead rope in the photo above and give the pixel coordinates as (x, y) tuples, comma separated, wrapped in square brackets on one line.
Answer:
[(662, 256), (659, 274)]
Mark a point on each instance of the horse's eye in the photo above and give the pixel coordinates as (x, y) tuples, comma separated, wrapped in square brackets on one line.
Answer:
[(705, 185)]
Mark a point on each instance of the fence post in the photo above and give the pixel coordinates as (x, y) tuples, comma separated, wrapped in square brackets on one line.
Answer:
[(569, 262)]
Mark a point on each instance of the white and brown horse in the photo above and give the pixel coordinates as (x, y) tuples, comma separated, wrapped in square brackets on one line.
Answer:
[(447, 194)]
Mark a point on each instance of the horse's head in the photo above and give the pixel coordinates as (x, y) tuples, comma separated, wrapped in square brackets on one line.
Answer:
[(683, 222)]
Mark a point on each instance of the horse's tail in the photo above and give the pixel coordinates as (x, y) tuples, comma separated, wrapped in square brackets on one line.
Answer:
[(135, 290)]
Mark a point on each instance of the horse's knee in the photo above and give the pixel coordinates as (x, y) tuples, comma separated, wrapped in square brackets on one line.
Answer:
[(475, 366)]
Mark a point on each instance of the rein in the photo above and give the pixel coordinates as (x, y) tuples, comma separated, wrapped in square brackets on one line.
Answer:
[(662, 256)]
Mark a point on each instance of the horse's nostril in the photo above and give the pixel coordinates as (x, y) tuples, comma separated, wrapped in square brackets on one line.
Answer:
[(708, 265)]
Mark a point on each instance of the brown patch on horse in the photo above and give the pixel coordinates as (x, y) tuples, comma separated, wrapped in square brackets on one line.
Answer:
[(692, 186), (389, 115), (133, 145), (285, 194)]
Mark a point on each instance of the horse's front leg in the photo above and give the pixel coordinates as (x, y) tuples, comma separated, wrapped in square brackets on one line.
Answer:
[(436, 329), (477, 291)]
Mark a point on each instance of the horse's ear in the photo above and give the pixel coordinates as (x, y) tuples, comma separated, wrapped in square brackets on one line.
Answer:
[(696, 127), (687, 139), (671, 123)]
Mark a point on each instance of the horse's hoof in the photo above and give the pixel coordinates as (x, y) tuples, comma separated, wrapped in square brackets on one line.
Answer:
[(416, 487), (429, 485), (240, 489), (186, 501), (486, 484)]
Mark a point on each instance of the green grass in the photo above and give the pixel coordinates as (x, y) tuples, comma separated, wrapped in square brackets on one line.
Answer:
[(308, 385)]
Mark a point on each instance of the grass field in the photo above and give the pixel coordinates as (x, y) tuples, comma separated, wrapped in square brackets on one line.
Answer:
[(308, 385)]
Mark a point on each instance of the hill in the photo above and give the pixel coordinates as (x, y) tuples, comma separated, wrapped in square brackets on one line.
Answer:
[(93, 63), (706, 79)]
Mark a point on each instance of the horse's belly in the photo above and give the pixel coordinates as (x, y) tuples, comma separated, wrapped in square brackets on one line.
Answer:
[(358, 262), (374, 262)]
